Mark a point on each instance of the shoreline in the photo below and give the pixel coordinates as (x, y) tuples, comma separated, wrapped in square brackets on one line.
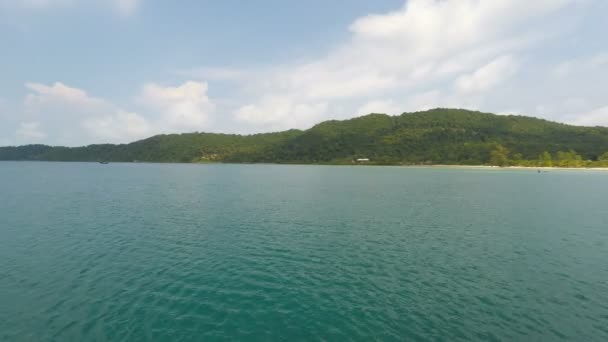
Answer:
[(430, 166), (498, 168)]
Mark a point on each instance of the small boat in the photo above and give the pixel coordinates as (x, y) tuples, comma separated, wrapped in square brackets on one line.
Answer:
[(104, 162)]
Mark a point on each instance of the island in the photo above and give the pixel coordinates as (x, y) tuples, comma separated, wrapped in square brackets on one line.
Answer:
[(434, 137)]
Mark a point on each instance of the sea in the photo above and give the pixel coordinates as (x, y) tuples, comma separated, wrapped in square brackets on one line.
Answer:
[(219, 252)]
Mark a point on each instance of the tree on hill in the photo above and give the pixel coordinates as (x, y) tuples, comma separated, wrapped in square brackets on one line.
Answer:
[(499, 156), (545, 159), (569, 159), (438, 136), (603, 160)]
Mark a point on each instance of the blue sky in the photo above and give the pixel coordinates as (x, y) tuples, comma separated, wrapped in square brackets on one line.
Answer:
[(78, 72)]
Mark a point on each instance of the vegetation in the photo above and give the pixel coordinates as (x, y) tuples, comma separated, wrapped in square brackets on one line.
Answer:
[(500, 156), (569, 159), (439, 136)]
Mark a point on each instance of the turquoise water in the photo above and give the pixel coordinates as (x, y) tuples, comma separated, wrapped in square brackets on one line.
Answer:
[(147, 252)]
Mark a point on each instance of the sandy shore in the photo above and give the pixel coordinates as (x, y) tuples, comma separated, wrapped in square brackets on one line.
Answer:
[(487, 167)]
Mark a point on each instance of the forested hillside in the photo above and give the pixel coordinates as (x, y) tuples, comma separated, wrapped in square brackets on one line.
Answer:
[(439, 136)]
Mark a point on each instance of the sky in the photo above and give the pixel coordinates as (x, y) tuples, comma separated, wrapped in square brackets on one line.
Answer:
[(79, 72)]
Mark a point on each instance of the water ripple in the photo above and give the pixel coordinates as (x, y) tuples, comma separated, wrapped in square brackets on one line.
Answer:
[(186, 253)]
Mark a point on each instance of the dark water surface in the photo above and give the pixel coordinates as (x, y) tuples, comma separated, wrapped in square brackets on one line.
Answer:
[(145, 252)]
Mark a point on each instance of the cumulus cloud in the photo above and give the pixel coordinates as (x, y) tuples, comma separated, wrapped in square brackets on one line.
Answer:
[(74, 117), (59, 93), (487, 76), (388, 56), (573, 90), (61, 114), (486, 55), (184, 107), (117, 126), (281, 112)]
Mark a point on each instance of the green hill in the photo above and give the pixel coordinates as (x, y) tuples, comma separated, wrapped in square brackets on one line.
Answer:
[(439, 136)]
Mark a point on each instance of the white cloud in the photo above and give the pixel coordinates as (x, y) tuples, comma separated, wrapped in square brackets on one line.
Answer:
[(30, 131), (596, 117), (445, 99), (126, 7), (379, 106), (219, 73), (73, 117), (570, 90), (414, 102), (185, 107), (44, 3), (122, 7), (580, 65), (34, 4), (486, 55), (425, 100), (58, 93), (117, 127), (419, 48), (279, 112), (487, 76)]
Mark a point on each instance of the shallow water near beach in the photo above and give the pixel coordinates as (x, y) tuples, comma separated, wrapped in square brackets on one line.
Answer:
[(161, 252)]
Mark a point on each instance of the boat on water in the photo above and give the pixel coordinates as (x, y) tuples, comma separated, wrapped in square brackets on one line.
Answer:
[(104, 162)]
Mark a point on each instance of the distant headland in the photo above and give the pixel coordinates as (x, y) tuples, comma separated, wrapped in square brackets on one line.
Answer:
[(438, 136)]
